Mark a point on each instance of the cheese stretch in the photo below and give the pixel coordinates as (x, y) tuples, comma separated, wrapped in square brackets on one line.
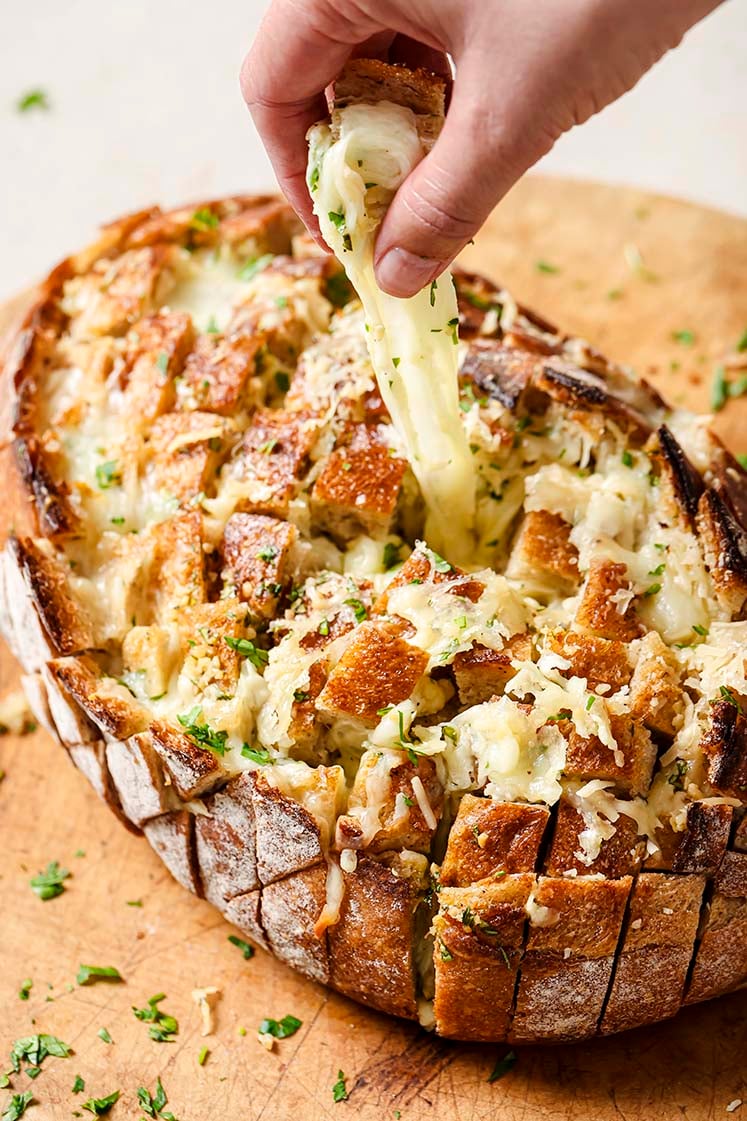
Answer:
[(412, 342)]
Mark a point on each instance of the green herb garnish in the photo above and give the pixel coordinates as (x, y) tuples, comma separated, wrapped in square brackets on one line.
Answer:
[(33, 99), (256, 754), (25, 989), (153, 1104), (503, 1066), (17, 1105), (87, 974), (255, 265), (280, 1029), (204, 219), (99, 1106), (203, 733), (103, 1033), (246, 949), (49, 884), (546, 267), (246, 648), (340, 1090), (163, 1025), (79, 1085), (108, 474)]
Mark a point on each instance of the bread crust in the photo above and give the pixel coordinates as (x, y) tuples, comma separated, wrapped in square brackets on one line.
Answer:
[(546, 951)]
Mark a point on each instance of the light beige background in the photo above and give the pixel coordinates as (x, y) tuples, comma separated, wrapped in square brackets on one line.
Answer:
[(146, 107)]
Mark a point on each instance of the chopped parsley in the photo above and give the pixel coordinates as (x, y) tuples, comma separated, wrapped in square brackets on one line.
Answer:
[(162, 362), (726, 695), (627, 458), (323, 628), (300, 696), (203, 733), (246, 949), (280, 1029), (254, 266), (652, 590), (453, 326), (546, 267), (433, 289), (658, 570), (685, 337), (34, 1049), (202, 1057), (99, 1106), (503, 1066), (79, 1085), (359, 608), (742, 344), (267, 553), (212, 326), (17, 1105), (439, 564), (282, 381), (247, 649), (480, 302), (49, 883), (153, 1104), (103, 1033), (256, 754), (340, 1090), (163, 1026), (701, 630), (590, 701), (314, 178), (134, 902), (445, 952), (677, 778), (204, 219), (88, 974), (108, 474), (742, 461), (33, 99), (391, 555), (337, 218), (267, 447), (25, 989), (564, 714)]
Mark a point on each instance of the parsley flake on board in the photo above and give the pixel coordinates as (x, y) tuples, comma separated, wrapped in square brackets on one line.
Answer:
[(25, 989), (202, 1057), (79, 1085), (246, 949), (685, 337), (280, 1029), (391, 555), (163, 1025), (503, 1066), (546, 267), (103, 1033), (88, 974), (246, 648), (34, 1049), (340, 1090), (33, 99), (433, 290), (49, 883), (17, 1106), (203, 733), (100, 1106), (153, 1104)]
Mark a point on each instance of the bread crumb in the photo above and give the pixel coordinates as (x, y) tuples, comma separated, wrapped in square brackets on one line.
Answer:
[(637, 924), (16, 718), (733, 1106), (667, 911), (206, 999)]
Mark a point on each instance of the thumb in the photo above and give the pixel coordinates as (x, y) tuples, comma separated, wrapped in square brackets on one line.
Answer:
[(481, 152)]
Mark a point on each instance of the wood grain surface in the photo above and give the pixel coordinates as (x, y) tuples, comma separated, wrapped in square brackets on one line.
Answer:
[(629, 270)]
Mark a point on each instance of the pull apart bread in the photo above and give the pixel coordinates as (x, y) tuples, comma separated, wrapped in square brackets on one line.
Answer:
[(498, 783)]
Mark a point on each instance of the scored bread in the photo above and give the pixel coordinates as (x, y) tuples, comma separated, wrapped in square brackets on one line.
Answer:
[(509, 801)]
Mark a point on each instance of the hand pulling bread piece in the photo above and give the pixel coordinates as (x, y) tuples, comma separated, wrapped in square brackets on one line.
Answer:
[(505, 796)]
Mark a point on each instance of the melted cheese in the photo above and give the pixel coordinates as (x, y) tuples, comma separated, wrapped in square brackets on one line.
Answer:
[(412, 342)]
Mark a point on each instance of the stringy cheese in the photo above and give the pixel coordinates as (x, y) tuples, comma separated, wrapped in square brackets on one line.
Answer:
[(412, 342)]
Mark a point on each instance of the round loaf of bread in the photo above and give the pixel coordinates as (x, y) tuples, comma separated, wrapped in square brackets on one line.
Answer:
[(507, 798)]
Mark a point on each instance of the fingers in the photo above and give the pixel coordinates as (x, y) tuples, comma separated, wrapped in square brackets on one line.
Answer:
[(299, 49), (479, 155)]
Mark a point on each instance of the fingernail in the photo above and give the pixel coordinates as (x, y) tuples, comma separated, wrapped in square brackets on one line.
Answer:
[(402, 273)]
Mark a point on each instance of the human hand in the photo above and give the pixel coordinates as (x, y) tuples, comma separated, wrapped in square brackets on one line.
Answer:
[(525, 74)]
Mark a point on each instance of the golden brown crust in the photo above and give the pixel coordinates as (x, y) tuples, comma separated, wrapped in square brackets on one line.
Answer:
[(375, 971)]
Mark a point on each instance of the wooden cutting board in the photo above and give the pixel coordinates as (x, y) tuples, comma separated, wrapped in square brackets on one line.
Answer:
[(626, 270)]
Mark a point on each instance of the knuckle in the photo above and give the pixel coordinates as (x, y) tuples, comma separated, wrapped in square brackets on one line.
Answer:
[(437, 212)]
